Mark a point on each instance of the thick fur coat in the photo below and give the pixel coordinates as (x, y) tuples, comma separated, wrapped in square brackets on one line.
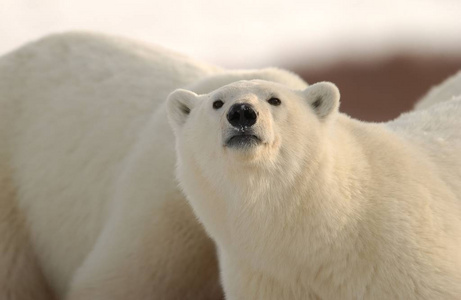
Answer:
[(89, 206), (305, 202)]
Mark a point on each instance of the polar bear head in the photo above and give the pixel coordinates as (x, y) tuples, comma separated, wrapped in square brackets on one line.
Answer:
[(244, 141)]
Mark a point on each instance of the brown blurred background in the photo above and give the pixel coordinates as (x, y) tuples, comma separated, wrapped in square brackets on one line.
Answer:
[(381, 89)]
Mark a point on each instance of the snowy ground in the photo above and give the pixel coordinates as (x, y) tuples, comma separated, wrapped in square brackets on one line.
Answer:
[(244, 33)]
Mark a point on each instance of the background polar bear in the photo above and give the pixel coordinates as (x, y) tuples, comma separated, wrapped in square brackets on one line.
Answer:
[(445, 91), (304, 202), (88, 200)]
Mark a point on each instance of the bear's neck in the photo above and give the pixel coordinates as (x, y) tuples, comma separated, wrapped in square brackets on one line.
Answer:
[(319, 206), (311, 229), (332, 232)]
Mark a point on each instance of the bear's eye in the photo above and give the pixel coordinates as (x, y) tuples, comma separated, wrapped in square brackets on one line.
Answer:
[(218, 104), (274, 101)]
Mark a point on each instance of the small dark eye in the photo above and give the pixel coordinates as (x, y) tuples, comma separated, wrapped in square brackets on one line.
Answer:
[(274, 101), (218, 104)]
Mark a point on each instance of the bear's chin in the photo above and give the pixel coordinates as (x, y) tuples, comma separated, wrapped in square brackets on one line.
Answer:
[(245, 150), (243, 142)]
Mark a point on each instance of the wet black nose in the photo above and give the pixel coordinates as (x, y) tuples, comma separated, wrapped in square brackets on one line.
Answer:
[(242, 115)]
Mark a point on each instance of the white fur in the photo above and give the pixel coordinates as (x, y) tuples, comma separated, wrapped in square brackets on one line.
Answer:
[(326, 207), (445, 91), (89, 206)]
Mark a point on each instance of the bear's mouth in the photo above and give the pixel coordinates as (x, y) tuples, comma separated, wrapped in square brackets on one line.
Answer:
[(243, 140)]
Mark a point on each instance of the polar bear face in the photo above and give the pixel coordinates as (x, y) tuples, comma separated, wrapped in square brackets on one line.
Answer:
[(246, 140)]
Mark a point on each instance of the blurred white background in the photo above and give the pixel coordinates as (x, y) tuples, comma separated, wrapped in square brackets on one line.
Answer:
[(382, 54), (246, 33)]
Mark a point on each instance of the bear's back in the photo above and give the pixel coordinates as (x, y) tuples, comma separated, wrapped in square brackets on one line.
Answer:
[(436, 132), (72, 106)]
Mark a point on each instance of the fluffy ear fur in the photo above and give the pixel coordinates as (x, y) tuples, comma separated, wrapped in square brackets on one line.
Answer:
[(323, 98), (180, 103)]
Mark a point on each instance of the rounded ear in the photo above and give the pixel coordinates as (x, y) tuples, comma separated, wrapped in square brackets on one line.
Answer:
[(323, 98), (179, 105)]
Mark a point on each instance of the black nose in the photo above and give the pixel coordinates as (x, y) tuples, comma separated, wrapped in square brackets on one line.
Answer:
[(242, 115)]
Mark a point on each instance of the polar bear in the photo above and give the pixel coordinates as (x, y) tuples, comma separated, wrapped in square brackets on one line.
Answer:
[(445, 91), (89, 206), (304, 202)]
